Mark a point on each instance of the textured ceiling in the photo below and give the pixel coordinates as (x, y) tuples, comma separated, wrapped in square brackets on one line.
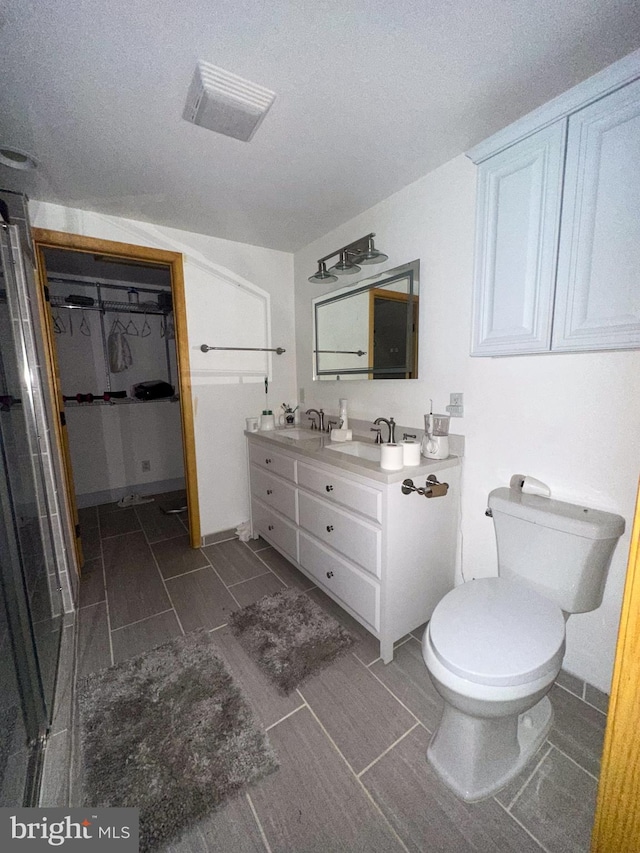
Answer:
[(370, 96)]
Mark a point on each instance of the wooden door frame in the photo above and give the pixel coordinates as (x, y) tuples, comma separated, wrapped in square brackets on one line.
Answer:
[(47, 239), (617, 821)]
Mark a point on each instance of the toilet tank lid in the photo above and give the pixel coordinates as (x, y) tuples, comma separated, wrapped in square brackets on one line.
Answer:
[(557, 515)]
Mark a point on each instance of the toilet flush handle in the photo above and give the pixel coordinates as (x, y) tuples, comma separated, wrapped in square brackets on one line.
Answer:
[(488, 512)]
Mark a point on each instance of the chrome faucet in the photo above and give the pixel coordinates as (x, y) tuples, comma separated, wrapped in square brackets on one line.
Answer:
[(392, 428), (320, 414)]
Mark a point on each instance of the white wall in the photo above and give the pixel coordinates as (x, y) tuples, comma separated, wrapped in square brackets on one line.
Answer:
[(571, 420), (230, 288)]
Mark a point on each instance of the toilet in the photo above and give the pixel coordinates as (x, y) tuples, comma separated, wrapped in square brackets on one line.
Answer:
[(494, 646)]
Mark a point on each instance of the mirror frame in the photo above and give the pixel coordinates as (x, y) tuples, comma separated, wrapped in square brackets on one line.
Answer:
[(409, 270)]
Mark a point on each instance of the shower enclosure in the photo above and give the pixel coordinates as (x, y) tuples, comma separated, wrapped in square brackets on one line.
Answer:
[(31, 611)]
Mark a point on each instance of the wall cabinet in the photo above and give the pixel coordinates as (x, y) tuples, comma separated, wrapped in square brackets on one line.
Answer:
[(385, 557), (558, 235)]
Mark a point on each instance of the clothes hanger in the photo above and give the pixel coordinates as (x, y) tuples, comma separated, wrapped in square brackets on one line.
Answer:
[(58, 324), (133, 332), (85, 328), (146, 328), (118, 327)]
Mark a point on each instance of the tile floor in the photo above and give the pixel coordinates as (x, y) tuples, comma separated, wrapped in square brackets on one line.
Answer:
[(351, 741)]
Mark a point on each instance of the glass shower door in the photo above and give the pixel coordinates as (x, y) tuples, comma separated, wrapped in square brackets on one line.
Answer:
[(31, 610)]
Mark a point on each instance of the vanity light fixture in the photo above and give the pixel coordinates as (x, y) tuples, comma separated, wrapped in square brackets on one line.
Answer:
[(345, 266), (322, 274), (361, 251), (15, 158), (371, 255)]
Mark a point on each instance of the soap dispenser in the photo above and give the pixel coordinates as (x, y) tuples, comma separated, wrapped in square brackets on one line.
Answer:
[(344, 418)]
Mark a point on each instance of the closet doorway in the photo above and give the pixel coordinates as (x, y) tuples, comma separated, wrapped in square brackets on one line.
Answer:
[(115, 324), (393, 334)]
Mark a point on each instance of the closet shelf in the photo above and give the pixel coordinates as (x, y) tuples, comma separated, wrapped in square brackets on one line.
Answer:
[(73, 404), (107, 305)]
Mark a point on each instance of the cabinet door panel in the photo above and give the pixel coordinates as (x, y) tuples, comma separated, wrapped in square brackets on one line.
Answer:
[(357, 591), (274, 528), (285, 466), (274, 492), (362, 499), (355, 539), (598, 289), (518, 211)]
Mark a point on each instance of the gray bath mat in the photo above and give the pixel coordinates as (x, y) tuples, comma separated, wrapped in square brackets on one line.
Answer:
[(290, 636), (169, 733)]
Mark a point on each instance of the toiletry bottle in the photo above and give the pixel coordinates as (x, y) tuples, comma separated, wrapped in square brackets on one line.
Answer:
[(344, 419)]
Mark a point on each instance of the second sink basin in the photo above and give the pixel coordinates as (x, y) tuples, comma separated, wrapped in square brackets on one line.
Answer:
[(362, 449)]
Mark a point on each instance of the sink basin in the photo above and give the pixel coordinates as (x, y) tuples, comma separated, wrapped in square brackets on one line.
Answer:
[(295, 433), (361, 449)]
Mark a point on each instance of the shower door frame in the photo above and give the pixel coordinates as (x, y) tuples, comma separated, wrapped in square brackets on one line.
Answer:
[(36, 704), (48, 239)]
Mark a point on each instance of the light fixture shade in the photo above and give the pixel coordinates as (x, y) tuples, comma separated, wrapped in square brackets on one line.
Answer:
[(371, 255), (322, 275), (345, 266), (15, 158)]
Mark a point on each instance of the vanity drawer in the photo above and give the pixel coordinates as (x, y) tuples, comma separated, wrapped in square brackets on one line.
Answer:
[(273, 492), (285, 466), (356, 539), (362, 499), (357, 591), (274, 528)]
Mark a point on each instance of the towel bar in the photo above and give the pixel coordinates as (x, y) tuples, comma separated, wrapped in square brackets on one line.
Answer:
[(278, 350)]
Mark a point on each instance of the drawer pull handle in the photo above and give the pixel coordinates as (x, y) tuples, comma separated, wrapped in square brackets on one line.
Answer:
[(329, 574), (270, 527), (269, 491), (267, 462), (329, 528), (329, 488)]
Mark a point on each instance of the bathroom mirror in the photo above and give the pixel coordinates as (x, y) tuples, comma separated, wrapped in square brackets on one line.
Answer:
[(369, 330)]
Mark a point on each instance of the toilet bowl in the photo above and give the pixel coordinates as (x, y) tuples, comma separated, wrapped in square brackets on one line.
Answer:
[(494, 646), (493, 649)]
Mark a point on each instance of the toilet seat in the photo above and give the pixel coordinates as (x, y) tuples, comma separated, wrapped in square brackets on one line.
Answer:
[(494, 631)]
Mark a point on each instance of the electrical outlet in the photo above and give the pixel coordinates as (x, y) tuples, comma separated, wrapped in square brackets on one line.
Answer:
[(456, 405), (146, 465)]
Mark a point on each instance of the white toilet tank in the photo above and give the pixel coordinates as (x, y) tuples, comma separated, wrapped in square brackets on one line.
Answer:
[(559, 549)]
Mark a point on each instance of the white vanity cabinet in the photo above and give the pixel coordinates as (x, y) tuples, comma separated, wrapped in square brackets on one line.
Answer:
[(558, 231), (385, 557), (274, 507)]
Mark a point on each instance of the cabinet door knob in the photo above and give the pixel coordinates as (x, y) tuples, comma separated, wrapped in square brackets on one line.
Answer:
[(329, 488), (329, 574), (270, 527), (329, 528), (267, 462), (269, 491)]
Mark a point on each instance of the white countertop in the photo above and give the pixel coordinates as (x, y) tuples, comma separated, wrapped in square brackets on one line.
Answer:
[(318, 446)]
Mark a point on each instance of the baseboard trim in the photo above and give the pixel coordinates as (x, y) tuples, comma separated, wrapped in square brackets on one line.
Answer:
[(112, 495), (583, 690)]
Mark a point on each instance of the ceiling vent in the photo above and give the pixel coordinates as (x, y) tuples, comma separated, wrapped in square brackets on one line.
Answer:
[(226, 103)]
